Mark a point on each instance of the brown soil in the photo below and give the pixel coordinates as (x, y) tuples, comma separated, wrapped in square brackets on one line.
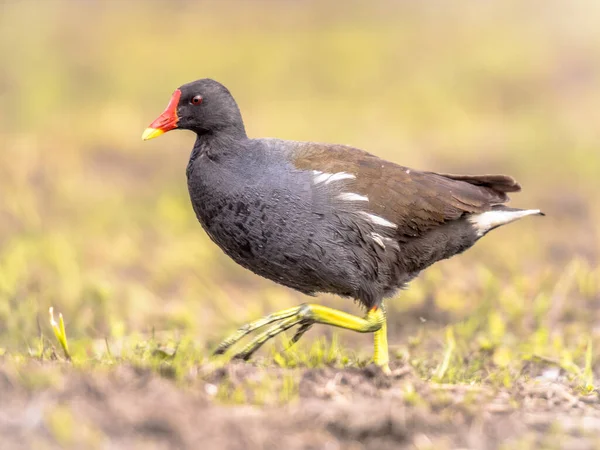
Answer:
[(130, 408)]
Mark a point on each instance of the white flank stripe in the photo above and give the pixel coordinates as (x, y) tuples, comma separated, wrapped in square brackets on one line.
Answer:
[(378, 240), (351, 197), (324, 177), (379, 220), (484, 222), (320, 176), (339, 176)]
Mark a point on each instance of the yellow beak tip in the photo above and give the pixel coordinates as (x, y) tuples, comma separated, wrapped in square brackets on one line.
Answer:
[(151, 133)]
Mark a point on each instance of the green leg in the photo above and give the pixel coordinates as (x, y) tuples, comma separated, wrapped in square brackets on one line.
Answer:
[(257, 342), (250, 327), (381, 355), (303, 315), (300, 332)]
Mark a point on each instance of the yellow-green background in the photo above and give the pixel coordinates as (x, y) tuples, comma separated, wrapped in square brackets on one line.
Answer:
[(98, 223)]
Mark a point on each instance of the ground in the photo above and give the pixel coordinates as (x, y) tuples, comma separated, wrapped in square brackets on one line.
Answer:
[(498, 348), (241, 405)]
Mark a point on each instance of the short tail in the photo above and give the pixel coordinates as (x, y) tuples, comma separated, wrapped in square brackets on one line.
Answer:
[(499, 215)]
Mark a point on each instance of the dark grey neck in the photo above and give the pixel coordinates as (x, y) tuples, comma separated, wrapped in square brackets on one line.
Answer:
[(220, 138), (234, 130), (217, 145), (224, 122)]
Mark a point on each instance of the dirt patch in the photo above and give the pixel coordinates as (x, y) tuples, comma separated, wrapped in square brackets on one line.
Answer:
[(56, 406)]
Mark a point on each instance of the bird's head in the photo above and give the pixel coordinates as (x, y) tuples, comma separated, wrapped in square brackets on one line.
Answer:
[(203, 106)]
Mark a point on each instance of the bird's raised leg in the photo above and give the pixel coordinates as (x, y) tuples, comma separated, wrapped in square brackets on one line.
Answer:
[(381, 355), (252, 326), (305, 315), (299, 333)]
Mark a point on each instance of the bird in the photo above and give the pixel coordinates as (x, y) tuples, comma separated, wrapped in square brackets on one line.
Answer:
[(323, 218)]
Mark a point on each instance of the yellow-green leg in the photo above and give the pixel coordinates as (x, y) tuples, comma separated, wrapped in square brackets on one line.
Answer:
[(381, 355), (250, 327), (306, 315)]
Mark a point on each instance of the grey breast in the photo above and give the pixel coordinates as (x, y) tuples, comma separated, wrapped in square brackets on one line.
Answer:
[(267, 216)]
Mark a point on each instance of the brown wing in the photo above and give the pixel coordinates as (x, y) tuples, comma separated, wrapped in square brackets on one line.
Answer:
[(413, 200), (498, 183)]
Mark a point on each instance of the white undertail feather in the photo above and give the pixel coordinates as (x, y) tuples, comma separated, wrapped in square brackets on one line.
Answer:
[(488, 220)]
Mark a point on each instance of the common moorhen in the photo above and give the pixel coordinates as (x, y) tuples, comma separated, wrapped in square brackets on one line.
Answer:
[(324, 217)]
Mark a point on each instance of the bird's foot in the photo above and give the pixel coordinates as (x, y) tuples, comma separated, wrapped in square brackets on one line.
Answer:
[(304, 315)]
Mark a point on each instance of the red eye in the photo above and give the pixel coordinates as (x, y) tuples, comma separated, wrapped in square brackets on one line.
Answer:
[(197, 100)]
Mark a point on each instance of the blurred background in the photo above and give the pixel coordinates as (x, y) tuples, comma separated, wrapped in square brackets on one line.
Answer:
[(99, 224)]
